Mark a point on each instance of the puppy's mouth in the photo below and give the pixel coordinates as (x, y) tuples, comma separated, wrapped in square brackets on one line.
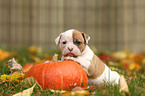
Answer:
[(70, 54)]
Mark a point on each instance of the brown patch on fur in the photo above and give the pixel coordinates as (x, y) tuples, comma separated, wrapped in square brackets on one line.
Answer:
[(59, 40), (78, 37), (96, 68)]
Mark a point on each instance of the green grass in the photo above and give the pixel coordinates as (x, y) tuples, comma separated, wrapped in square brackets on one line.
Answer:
[(136, 87)]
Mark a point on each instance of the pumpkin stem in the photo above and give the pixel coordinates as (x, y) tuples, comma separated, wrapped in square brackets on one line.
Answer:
[(55, 58)]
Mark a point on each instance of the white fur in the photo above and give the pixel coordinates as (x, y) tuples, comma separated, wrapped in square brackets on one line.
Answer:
[(67, 37), (107, 76), (85, 58)]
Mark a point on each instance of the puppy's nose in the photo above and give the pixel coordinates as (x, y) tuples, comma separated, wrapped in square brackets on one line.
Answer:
[(70, 49)]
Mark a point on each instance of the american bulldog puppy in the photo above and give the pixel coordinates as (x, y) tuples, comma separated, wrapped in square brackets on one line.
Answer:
[(74, 46)]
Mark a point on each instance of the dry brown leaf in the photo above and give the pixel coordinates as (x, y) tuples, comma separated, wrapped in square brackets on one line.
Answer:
[(55, 58), (123, 85), (14, 66), (26, 92)]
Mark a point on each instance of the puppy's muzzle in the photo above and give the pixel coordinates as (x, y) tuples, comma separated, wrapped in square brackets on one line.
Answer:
[(70, 49)]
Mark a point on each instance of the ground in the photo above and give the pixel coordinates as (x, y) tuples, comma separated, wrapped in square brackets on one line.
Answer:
[(124, 62)]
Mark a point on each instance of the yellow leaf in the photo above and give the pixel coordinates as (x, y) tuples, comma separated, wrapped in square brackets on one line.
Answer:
[(123, 85), (120, 54), (36, 59), (76, 93), (5, 54), (5, 77), (132, 66), (32, 49), (26, 92), (143, 84), (16, 77), (138, 67)]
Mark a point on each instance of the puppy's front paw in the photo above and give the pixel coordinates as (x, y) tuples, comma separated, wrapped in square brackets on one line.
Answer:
[(70, 58), (67, 58)]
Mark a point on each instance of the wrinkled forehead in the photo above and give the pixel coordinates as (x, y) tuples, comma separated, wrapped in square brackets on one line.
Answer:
[(71, 35), (67, 36)]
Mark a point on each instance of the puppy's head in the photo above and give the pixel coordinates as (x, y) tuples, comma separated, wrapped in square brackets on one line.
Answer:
[(72, 42)]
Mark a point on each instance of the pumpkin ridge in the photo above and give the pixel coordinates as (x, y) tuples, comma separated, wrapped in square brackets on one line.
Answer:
[(61, 75), (81, 78), (61, 79), (44, 75)]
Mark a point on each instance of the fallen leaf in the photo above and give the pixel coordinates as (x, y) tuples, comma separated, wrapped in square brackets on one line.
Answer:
[(30, 81), (5, 77), (36, 59), (27, 67), (135, 66), (125, 66), (16, 77), (123, 85), (115, 69), (106, 57), (126, 61), (77, 93), (128, 73), (138, 58), (26, 92), (5, 54), (121, 54), (143, 84), (132, 66), (32, 49), (143, 76), (14, 66), (138, 67), (57, 91)]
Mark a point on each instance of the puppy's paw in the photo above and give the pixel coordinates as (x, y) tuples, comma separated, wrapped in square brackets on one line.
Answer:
[(67, 58), (70, 58)]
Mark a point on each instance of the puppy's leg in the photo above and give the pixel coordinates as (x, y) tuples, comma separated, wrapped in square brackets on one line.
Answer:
[(115, 77), (82, 61)]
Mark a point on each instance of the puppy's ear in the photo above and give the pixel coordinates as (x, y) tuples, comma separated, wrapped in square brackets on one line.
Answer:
[(57, 40), (86, 37)]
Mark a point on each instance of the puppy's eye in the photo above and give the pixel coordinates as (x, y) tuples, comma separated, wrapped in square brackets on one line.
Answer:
[(77, 42), (64, 42)]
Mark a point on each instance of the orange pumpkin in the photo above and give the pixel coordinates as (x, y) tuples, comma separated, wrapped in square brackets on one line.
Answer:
[(62, 75)]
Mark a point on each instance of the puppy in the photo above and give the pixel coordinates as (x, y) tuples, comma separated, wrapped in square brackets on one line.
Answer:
[(73, 45)]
